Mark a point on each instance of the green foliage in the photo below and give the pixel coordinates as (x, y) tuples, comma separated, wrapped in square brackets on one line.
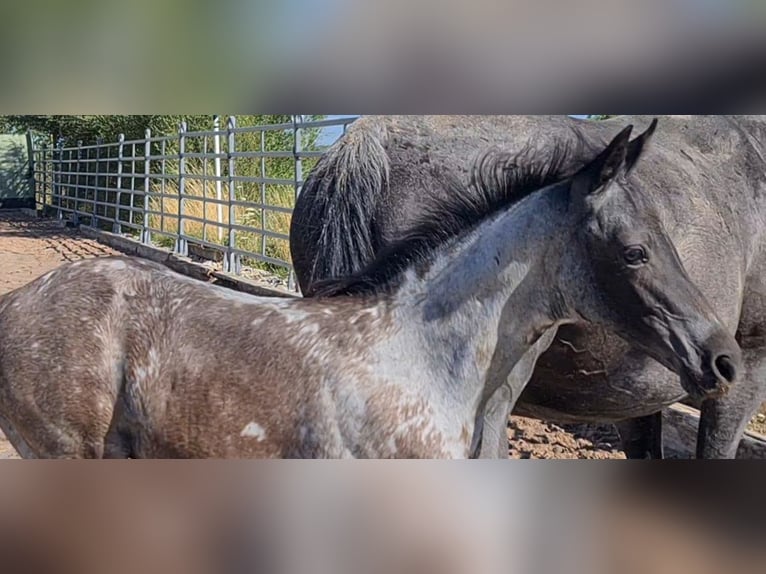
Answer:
[(85, 128), (90, 128)]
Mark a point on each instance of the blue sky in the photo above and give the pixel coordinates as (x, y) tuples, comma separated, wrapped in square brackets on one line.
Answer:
[(330, 134)]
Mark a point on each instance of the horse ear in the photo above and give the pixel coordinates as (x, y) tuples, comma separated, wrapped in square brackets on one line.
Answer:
[(600, 172), (638, 145)]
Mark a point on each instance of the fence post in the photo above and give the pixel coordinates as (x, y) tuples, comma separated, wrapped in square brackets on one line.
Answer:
[(31, 179), (297, 150), (94, 213), (116, 227), (76, 210), (132, 180), (181, 246), (163, 181), (146, 238), (67, 205), (298, 177), (44, 173), (58, 159), (217, 161), (231, 261), (263, 192)]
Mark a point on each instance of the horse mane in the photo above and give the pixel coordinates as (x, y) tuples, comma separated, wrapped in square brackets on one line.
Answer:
[(498, 180), (343, 188)]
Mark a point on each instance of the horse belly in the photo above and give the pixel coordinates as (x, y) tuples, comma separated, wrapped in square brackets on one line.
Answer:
[(597, 403), (594, 377)]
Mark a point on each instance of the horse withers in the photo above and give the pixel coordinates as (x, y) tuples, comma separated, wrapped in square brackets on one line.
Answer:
[(119, 357)]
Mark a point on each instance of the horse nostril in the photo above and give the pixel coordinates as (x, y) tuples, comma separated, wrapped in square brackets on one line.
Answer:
[(725, 368)]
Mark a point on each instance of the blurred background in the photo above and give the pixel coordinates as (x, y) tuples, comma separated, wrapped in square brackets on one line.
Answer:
[(674, 56), (173, 57), (376, 517)]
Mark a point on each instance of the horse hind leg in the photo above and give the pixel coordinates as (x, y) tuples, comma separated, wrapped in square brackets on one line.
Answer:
[(641, 437), (17, 441), (52, 443)]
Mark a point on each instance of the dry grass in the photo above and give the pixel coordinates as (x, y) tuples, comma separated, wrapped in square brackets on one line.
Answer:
[(199, 207)]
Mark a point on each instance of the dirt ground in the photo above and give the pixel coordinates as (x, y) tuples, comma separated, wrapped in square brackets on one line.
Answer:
[(30, 247)]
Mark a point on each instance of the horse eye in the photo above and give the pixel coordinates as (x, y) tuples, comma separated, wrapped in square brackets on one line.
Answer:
[(635, 255)]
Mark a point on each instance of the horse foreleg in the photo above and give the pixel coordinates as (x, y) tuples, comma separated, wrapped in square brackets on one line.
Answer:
[(494, 438), (494, 425), (641, 437), (723, 421)]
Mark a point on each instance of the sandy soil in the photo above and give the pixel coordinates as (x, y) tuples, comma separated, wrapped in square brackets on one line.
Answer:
[(30, 247)]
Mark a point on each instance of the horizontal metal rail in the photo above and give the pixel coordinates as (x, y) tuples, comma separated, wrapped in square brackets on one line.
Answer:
[(230, 189)]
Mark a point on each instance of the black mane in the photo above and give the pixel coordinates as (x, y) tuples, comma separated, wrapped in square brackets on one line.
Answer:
[(498, 180)]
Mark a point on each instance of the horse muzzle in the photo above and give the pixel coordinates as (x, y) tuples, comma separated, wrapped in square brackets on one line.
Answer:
[(720, 366)]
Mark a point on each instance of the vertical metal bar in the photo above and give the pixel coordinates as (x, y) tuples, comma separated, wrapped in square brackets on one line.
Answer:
[(31, 180), (90, 184), (86, 184), (38, 183), (204, 188), (94, 212), (71, 181), (163, 171), (298, 181), (181, 246), (231, 263), (70, 175), (57, 177), (76, 212), (146, 234), (116, 227), (52, 171), (108, 188), (263, 192), (44, 172), (217, 163), (297, 151), (107, 179), (50, 167), (62, 170), (132, 181)]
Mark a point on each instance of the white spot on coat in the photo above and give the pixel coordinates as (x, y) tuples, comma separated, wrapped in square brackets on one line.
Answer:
[(254, 430)]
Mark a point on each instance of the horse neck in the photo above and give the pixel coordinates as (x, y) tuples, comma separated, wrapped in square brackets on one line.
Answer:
[(494, 276)]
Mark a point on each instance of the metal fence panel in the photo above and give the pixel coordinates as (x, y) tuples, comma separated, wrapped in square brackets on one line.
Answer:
[(230, 190)]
